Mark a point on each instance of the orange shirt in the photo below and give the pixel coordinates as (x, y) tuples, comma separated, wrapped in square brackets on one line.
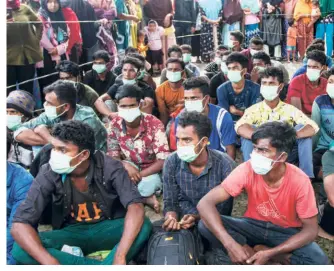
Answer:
[(168, 97), (282, 206), (291, 36)]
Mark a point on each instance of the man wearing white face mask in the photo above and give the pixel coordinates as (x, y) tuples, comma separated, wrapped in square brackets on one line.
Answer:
[(255, 46), (304, 88), (196, 96), (93, 204), (20, 109), (273, 109), (191, 172), (323, 115), (239, 93), (171, 93), (60, 105), (281, 211), (140, 141)]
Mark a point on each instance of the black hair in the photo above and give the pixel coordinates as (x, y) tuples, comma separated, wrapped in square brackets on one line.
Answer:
[(174, 48), (212, 55), (200, 82), (331, 71), (101, 54), (238, 36), (315, 2), (317, 56), (152, 22), (77, 133), (291, 22), (256, 41), (65, 91), (239, 58), (186, 47), (133, 61), (9, 141), (176, 60), (273, 72), (315, 46), (201, 123), (222, 47), (226, 53), (281, 134), (141, 33), (130, 50), (129, 91), (262, 56), (68, 67), (139, 57), (318, 41)]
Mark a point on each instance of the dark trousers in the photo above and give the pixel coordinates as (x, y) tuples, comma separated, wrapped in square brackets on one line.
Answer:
[(17, 74), (182, 29), (254, 232)]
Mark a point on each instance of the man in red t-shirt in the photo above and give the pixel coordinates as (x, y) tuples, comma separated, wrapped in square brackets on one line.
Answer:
[(281, 212), (305, 88)]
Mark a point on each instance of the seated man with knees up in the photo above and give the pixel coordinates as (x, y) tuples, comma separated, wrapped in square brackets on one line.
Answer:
[(197, 98), (192, 171), (100, 78), (94, 204), (69, 70), (60, 105), (213, 67), (239, 93), (281, 217), (273, 109), (186, 56), (139, 141)]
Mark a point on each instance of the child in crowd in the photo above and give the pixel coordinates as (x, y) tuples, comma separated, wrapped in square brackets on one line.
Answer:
[(154, 34), (315, 13), (291, 40), (141, 44)]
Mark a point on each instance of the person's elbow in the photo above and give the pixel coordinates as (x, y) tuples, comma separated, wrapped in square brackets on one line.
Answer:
[(137, 209), (16, 229), (203, 205)]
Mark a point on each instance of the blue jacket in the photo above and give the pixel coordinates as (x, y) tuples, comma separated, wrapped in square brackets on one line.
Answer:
[(18, 184)]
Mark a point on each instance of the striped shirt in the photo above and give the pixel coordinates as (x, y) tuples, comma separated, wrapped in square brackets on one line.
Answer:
[(183, 190)]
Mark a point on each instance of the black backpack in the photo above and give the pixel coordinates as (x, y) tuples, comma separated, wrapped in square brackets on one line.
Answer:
[(182, 247)]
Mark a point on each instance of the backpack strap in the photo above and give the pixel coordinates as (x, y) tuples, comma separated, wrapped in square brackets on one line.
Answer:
[(220, 117)]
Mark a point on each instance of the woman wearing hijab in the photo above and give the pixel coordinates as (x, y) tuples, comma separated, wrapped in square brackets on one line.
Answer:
[(211, 12), (85, 12), (60, 40), (302, 16), (23, 50)]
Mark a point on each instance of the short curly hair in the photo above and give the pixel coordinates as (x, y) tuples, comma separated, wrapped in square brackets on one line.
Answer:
[(201, 123), (77, 133)]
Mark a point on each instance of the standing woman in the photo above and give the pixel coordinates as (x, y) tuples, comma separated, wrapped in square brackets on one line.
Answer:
[(211, 12), (302, 16), (23, 50), (60, 40), (251, 9), (131, 6), (85, 12)]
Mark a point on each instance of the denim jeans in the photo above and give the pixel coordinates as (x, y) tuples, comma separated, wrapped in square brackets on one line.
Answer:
[(255, 232), (302, 152), (227, 28), (327, 30)]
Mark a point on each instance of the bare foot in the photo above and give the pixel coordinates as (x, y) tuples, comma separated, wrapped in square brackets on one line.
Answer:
[(289, 61), (325, 235), (153, 203), (278, 259)]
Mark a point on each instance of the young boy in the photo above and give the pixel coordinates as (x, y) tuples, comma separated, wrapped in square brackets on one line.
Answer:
[(291, 40), (154, 34)]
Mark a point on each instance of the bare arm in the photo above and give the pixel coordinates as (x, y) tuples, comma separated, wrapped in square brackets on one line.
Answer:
[(296, 102), (156, 167), (306, 131), (329, 188), (127, 17), (134, 220), (148, 106), (233, 110), (230, 150), (29, 137), (101, 106), (28, 239), (245, 131)]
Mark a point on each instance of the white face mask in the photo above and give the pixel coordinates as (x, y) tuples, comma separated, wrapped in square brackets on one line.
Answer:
[(51, 111), (218, 60), (231, 44), (13, 121), (253, 52), (269, 93), (187, 153), (173, 76), (261, 164), (61, 163), (330, 90), (128, 81), (129, 115), (223, 68), (313, 74), (196, 105), (234, 76), (99, 68)]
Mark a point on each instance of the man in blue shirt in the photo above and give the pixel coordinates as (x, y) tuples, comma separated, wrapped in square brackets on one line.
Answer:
[(197, 97), (238, 94)]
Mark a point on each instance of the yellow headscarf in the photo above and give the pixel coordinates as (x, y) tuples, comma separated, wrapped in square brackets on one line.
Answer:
[(303, 7)]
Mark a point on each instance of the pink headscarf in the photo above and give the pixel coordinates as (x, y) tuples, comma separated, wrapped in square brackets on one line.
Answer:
[(14, 4)]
